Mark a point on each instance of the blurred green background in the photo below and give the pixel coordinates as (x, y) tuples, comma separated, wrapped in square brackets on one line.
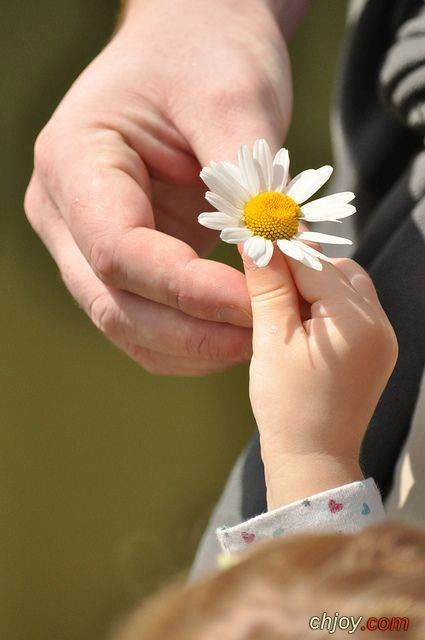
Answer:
[(107, 474)]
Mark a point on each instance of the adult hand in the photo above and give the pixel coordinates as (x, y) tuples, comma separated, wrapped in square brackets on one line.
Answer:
[(115, 191)]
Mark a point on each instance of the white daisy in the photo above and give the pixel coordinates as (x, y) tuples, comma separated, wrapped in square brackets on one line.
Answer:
[(258, 205)]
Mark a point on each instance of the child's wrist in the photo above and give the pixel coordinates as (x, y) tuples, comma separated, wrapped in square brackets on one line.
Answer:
[(295, 477)]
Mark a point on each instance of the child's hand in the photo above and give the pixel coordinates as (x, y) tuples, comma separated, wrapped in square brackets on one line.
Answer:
[(315, 382)]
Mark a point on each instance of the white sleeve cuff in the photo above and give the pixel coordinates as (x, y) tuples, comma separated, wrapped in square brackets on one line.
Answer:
[(345, 509)]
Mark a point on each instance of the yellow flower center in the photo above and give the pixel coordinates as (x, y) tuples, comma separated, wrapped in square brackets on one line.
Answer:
[(272, 215)]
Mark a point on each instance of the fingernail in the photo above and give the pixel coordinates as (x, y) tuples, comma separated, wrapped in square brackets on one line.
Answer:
[(235, 315)]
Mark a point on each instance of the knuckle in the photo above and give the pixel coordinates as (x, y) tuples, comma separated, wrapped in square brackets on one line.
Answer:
[(42, 150), (179, 288), (346, 262), (355, 265), (219, 344), (241, 89), (366, 279), (37, 207), (30, 206), (230, 97), (270, 297), (352, 267), (391, 346), (156, 364), (381, 343), (103, 314), (175, 297), (103, 259), (198, 343), (201, 344)]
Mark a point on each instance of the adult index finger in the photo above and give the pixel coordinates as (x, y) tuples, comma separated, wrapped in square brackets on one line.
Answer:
[(105, 203)]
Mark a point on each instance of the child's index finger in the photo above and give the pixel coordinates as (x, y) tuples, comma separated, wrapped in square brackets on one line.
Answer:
[(329, 284)]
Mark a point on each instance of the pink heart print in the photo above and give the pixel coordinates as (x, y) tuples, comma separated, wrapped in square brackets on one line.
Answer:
[(247, 537), (334, 507)]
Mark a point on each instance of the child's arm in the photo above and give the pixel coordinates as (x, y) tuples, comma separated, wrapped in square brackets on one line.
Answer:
[(314, 384), (323, 350)]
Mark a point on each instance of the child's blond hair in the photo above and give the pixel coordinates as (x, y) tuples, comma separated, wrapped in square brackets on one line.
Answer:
[(275, 590)]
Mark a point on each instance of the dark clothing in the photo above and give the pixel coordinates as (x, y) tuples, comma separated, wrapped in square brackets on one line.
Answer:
[(381, 103), (379, 144)]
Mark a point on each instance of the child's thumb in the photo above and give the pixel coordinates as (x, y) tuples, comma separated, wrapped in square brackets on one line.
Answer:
[(274, 297)]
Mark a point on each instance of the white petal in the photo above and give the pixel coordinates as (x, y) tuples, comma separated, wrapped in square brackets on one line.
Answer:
[(290, 248), (234, 235), (295, 250), (328, 207), (313, 252), (304, 183), (310, 256), (280, 170), (267, 254), (334, 213), (302, 187), (226, 171), (220, 180), (233, 169), (248, 170), (315, 236), (263, 156), (216, 220), (216, 184), (223, 205), (261, 181), (259, 249), (312, 262), (342, 197), (325, 173), (257, 162)]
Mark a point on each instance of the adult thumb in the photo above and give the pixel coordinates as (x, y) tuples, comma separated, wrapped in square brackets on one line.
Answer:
[(237, 120), (240, 104)]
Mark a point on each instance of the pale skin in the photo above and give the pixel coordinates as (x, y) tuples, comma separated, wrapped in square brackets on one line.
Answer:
[(116, 192), (115, 196), (317, 371)]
